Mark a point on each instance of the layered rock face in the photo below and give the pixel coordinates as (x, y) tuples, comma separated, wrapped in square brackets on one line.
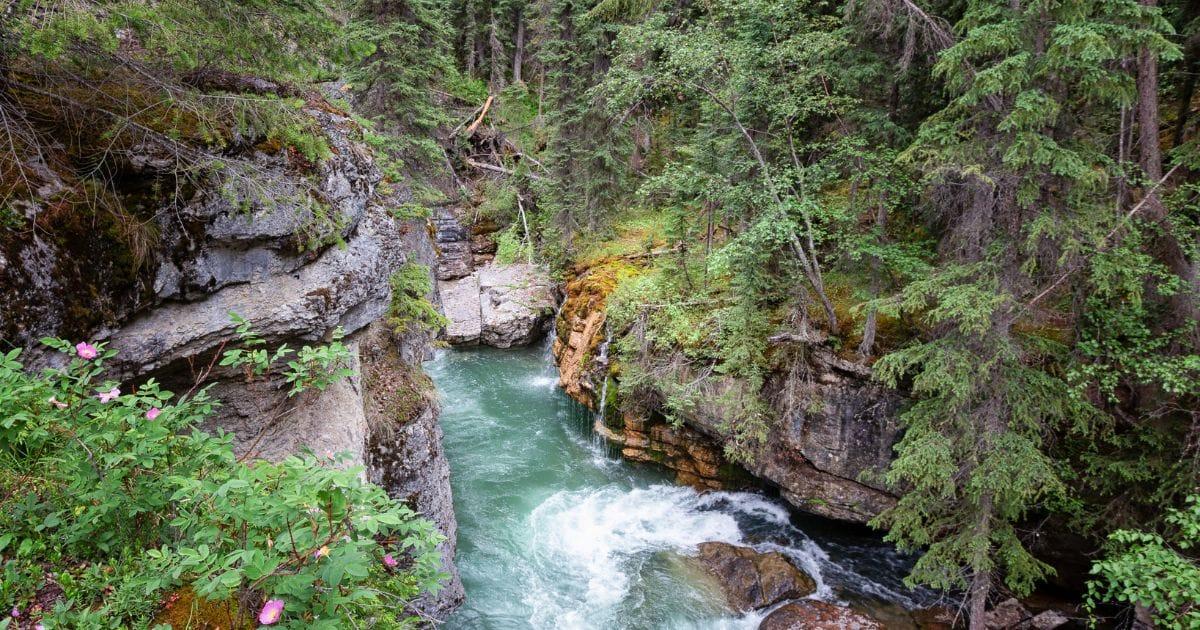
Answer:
[(404, 448), (252, 241), (498, 305), (488, 303), (696, 458), (831, 429)]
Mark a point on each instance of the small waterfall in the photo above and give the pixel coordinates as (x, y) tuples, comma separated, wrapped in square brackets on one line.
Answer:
[(598, 414), (598, 438), (552, 334)]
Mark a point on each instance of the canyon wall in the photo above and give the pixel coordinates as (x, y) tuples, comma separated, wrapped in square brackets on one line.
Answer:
[(830, 432), (299, 251)]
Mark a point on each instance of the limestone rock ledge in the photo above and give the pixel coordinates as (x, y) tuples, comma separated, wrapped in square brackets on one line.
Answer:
[(404, 449), (498, 305), (227, 249)]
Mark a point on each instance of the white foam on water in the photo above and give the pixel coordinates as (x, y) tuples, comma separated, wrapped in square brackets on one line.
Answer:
[(545, 381), (754, 505), (595, 540)]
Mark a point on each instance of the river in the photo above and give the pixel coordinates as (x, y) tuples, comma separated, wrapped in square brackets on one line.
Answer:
[(556, 532)]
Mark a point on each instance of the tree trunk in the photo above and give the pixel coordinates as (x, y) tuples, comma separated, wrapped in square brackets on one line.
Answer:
[(981, 585), (981, 581), (1165, 245), (1147, 85), (519, 49), (869, 327), (496, 54), (1185, 103), (469, 46)]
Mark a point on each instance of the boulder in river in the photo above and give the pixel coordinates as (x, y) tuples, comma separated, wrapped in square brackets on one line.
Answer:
[(498, 305), (752, 580), (814, 615), (1009, 613), (516, 301)]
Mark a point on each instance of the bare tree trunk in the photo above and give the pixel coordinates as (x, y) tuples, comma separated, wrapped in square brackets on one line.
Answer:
[(469, 38), (1186, 92), (519, 51), (496, 55), (869, 327), (1165, 245), (708, 238), (808, 261), (981, 582), (1143, 619), (1149, 152)]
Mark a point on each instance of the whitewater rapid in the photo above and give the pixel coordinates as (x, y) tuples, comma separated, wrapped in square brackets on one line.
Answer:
[(556, 532)]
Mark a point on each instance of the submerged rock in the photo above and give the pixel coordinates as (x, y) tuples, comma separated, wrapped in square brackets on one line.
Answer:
[(1007, 614), (752, 580), (815, 615)]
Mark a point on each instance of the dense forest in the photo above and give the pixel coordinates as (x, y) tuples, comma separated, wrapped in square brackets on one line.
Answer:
[(995, 205), (992, 203)]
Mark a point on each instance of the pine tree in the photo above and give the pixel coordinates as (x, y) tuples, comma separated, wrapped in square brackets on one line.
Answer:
[(1016, 170)]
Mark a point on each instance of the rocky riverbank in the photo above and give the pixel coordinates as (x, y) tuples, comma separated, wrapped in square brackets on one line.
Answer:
[(252, 241), (831, 428)]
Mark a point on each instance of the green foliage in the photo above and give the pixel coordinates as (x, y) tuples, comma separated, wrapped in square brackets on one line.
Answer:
[(767, 129), (408, 46), (238, 36), (1016, 164), (314, 368), (410, 310), (121, 497), (1147, 569), (511, 246)]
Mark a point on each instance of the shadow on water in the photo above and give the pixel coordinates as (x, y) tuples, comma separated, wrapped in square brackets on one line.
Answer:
[(557, 531)]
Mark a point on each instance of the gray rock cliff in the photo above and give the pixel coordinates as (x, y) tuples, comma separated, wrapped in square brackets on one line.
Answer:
[(299, 255)]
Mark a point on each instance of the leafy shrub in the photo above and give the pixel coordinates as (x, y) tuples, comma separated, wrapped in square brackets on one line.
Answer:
[(511, 247), (314, 367), (410, 311), (115, 497), (1146, 569)]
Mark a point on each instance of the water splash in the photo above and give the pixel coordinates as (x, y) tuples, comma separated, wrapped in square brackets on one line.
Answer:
[(591, 547), (556, 532)]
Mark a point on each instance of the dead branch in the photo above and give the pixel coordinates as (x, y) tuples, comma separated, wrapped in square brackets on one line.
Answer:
[(1105, 243), (498, 169), (475, 125)]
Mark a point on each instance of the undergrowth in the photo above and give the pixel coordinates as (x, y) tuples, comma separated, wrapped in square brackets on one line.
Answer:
[(112, 500)]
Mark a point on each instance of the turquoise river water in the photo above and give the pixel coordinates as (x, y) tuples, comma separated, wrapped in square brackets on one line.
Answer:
[(555, 532)]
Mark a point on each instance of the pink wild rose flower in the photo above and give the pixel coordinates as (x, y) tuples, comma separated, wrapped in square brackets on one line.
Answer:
[(109, 395), (86, 350), (153, 413), (389, 561), (271, 612)]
